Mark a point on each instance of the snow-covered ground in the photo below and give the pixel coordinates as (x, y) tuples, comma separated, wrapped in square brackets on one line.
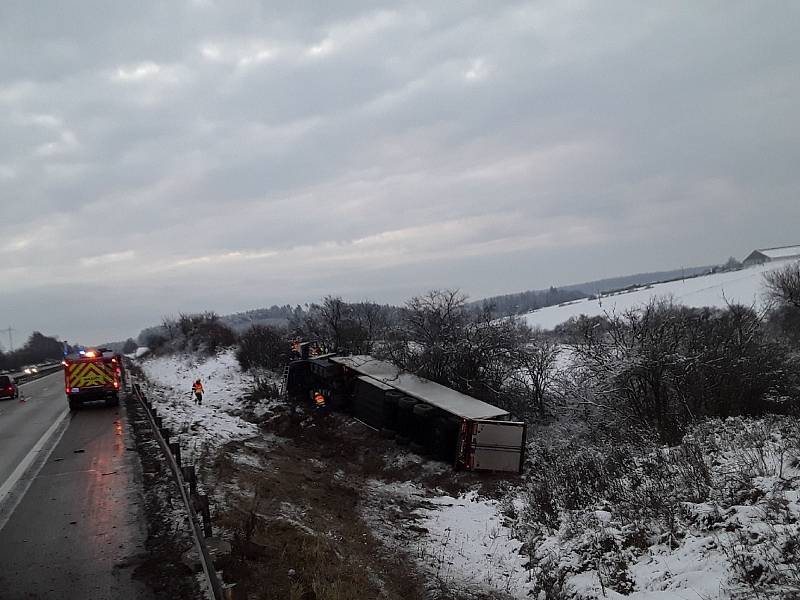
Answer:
[(473, 543), (743, 287), (467, 544), (217, 421)]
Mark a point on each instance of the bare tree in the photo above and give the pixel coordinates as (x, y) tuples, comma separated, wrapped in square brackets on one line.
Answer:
[(440, 338), (372, 320), (535, 371), (170, 325), (433, 326), (333, 311)]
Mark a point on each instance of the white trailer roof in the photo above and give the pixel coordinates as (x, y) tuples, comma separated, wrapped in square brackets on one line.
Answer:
[(374, 382), (449, 400)]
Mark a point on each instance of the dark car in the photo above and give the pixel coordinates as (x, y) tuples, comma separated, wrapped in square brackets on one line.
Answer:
[(8, 389)]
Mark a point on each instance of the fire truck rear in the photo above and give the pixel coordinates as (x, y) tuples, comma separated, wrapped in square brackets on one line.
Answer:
[(92, 375)]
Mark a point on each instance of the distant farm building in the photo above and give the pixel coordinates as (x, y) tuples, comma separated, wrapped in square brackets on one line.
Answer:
[(765, 255)]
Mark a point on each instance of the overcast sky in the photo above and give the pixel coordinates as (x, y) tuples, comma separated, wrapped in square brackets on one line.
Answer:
[(158, 157)]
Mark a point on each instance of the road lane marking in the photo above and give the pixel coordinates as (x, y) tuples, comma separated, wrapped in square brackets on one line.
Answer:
[(26, 462)]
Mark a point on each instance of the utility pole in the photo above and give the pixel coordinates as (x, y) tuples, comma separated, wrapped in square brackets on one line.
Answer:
[(10, 339)]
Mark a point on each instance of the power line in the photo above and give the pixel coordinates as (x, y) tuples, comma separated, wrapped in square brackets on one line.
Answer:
[(10, 339)]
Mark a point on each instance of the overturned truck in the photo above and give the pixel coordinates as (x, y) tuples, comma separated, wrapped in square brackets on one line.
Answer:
[(433, 419)]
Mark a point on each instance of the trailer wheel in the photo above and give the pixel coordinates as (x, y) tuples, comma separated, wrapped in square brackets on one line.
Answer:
[(74, 404), (423, 412), (405, 415), (113, 400)]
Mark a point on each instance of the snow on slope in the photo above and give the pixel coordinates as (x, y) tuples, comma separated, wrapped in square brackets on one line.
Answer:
[(217, 421), (743, 287)]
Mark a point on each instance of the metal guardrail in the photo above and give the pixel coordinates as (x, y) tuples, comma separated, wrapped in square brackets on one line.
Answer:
[(26, 377), (191, 499)]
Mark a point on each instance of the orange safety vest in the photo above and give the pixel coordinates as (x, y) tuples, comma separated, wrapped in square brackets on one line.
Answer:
[(319, 399), (197, 388)]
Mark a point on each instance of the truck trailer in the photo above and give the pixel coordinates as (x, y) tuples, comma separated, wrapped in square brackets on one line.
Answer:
[(431, 418)]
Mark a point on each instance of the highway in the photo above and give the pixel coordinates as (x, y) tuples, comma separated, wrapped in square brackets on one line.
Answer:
[(71, 520), (22, 424)]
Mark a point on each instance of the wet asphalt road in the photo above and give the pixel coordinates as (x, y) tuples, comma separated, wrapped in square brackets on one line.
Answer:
[(78, 530), (23, 423)]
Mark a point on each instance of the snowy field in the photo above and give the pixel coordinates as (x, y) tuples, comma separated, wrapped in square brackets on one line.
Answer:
[(743, 287), (214, 423)]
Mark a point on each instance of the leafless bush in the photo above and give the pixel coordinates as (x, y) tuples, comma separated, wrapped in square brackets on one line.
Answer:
[(766, 565), (783, 285), (350, 328), (645, 485), (199, 332), (549, 580), (262, 347), (666, 366)]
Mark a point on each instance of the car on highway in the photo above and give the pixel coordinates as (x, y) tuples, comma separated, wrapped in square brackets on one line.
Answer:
[(8, 387), (30, 370)]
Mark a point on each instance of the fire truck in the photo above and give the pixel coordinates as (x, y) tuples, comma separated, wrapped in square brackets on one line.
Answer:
[(93, 375)]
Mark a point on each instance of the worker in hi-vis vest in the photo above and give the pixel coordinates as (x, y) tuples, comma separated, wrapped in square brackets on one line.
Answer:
[(197, 390)]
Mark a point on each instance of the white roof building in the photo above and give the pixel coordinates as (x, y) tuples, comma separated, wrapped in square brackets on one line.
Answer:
[(764, 255)]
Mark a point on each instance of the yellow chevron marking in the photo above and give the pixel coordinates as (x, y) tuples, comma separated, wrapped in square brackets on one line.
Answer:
[(88, 375), (78, 369), (75, 372)]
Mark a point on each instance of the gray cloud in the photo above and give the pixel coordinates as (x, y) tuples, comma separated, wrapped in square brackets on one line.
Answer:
[(162, 157)]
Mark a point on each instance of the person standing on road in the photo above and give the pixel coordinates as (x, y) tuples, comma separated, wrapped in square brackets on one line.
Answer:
[(197, 389)]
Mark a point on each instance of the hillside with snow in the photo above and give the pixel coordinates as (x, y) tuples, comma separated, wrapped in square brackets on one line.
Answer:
[(745, 286)]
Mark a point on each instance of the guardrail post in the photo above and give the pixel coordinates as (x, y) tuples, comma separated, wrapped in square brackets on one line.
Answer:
[(205, 512), (191, 478), (175, 448)]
